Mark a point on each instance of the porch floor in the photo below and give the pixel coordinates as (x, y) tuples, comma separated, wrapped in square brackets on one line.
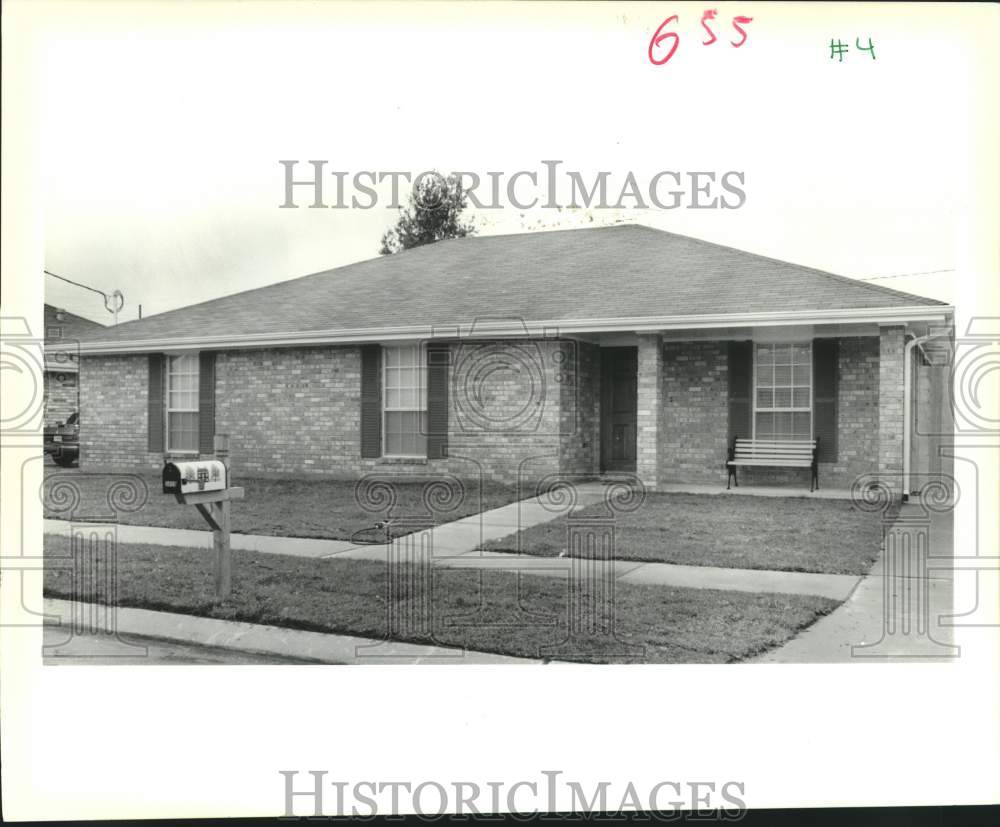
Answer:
[(755, 491)]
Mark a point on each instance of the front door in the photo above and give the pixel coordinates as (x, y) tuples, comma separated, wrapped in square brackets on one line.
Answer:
[(618, 408)]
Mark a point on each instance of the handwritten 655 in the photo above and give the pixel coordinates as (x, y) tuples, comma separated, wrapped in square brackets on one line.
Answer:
[(658, 58)]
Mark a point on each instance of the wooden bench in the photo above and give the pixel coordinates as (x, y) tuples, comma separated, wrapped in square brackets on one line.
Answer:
[(793, 453)]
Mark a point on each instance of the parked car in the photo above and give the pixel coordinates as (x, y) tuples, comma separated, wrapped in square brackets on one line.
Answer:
[(62, 441)]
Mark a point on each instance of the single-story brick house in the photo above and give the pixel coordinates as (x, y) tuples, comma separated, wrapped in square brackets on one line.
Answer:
[(576, 352)]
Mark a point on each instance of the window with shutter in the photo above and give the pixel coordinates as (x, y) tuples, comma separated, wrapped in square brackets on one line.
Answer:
[(182, 404), (404, 401), (783, 391)]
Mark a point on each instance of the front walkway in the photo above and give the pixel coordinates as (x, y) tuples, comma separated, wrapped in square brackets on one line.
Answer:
[(456, 545)]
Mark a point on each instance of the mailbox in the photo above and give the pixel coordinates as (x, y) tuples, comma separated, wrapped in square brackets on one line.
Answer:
[(192, 477)]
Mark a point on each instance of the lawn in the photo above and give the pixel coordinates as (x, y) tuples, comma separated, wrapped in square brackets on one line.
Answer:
[(789, 534), (322, 508), (498, 612)]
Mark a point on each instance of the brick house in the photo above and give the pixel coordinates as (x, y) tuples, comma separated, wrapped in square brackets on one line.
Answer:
[(63, 328), (576, 352)]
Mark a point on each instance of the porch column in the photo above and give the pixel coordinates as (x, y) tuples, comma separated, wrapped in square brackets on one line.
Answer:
[(649, 406), (890, 408)]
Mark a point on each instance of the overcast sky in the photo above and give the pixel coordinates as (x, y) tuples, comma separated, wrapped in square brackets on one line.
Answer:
[(161, 133)]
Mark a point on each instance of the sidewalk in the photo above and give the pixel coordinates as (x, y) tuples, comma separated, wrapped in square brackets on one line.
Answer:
[(455, 545), (893, 616)]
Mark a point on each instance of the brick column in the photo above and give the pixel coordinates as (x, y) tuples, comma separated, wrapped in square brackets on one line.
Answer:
[(650, 404), (890, 407)]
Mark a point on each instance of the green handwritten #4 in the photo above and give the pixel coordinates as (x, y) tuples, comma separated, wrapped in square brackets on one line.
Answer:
[(838, 49)]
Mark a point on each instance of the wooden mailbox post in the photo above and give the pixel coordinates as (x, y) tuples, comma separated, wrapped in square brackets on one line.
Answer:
[(205, 485)]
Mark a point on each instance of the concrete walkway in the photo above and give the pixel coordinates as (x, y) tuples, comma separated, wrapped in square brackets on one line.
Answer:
[(252, 638), (455, 545), (895, 615)]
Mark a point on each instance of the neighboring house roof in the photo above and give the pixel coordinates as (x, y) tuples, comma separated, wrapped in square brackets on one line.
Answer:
[(579, 280), (61, 324), (65, 328)]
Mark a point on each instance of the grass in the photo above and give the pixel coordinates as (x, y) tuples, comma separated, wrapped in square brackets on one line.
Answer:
[(788, 534), (323, 508), (488, 611)]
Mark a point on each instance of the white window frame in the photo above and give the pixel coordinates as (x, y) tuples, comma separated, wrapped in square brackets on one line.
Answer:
[(421, 401), (793, 409), (168, 410)]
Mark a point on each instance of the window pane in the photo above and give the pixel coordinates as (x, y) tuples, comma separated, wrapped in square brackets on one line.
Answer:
[(782, 375), (802, 354), (782, 397), (764, 353), (801, 398), (765, 374), (405, 433), (182, 432), (782, 424), (800, 422), (765, 425), (802, 374), (765, 398), (782, 354)]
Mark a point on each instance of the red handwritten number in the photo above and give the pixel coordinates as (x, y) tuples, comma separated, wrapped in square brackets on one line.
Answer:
[(708, 15), (659, 38), (736, 25)]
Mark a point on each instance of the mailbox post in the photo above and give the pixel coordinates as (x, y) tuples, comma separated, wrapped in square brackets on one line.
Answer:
[(205, 485)]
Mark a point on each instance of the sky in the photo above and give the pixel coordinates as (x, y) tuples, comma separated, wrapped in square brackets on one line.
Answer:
[(162, 128)]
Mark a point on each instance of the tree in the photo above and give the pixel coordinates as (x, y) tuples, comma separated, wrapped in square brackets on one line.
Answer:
[(434, 212)]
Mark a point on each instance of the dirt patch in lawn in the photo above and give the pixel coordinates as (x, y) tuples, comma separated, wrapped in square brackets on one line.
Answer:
[(487, 611), (328, 509), (788, 534)]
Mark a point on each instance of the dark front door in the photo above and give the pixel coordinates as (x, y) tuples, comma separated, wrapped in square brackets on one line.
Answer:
[(618, 407)]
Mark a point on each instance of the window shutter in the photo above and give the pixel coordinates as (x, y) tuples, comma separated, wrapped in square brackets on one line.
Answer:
[(371, 401), (206, 402), (156, 412), (438, 359), (825, 358), (740, 390)]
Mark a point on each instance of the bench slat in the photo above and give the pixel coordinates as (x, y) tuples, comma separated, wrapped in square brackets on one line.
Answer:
[(775, 454), (782, 463), (775, 444)]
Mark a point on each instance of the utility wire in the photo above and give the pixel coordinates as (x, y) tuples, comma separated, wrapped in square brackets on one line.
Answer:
[(119, 299), (901, 275)]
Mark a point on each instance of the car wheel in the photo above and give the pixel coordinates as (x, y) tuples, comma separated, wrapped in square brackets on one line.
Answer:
[(64, 462)]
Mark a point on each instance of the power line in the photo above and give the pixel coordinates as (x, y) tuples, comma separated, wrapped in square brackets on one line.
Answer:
[(117, 298), (75, 283), (901, 275)]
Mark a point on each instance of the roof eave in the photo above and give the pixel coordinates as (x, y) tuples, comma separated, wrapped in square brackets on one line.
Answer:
[(508, 327)]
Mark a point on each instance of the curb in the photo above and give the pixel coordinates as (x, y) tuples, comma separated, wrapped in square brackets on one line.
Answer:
[(257, 639)]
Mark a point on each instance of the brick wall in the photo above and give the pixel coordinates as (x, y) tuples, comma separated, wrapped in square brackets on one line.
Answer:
[(694, 415), (649, 409), (890, 406), (580, 409), (113, 397), (505, 408), (291, 410), (60, 395), (295, 412)]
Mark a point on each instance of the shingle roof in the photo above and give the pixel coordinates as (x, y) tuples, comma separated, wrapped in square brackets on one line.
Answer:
[(621, 271), (61, 324)]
